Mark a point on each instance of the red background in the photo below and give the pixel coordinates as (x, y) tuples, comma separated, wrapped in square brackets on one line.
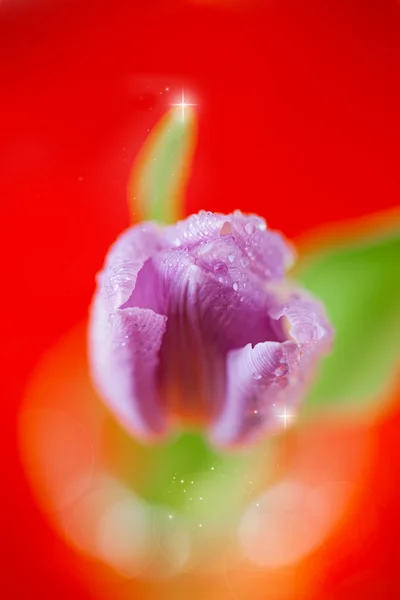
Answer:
[(298, 120)]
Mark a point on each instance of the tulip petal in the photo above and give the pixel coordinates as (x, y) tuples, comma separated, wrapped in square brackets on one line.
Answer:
[(302, 319), (124, 261), (125, 340), (265, 382), (125, 348), (263, 252)]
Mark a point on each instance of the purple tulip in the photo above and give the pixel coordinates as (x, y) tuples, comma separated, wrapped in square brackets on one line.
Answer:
[(195, 324)]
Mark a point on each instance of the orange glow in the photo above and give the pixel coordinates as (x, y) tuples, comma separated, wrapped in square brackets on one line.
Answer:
[(67, 441)]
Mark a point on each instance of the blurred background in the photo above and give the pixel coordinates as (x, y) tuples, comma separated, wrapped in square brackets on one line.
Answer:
[(298, 120)]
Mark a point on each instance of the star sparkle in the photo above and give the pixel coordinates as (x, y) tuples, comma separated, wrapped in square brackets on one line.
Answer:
[(285, 416), (183, 104)]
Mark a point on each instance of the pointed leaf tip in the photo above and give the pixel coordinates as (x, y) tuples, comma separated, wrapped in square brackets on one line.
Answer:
[(159, 176)]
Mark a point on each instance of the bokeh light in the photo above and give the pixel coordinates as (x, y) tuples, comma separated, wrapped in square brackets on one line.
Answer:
[(295, 488)]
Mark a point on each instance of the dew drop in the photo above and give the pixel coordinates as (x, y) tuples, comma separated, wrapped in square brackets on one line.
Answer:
[(231, 258), (282, 370), (244, 262), (235, 286), (249, 228), (226, 229), (256, 376), (220, 268)]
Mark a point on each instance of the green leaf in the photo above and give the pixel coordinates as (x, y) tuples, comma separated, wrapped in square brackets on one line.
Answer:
[(360, 286), (187, 476), (159, 176)]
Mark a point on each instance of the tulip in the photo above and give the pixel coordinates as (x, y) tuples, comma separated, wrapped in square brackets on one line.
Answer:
[(195, 324)]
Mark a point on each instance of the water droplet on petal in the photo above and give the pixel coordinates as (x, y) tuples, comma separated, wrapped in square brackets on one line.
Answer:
[(282, 370), (226, 229), (256, 376), (220, 268), (244, 262), (231, 258), (249, 228), (235, 286)]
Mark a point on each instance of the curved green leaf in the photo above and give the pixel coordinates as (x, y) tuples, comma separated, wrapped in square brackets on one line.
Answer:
[(360, 286), (159, 176)]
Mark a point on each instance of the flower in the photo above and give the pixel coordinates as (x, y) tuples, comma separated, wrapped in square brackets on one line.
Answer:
[(196, 324)]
